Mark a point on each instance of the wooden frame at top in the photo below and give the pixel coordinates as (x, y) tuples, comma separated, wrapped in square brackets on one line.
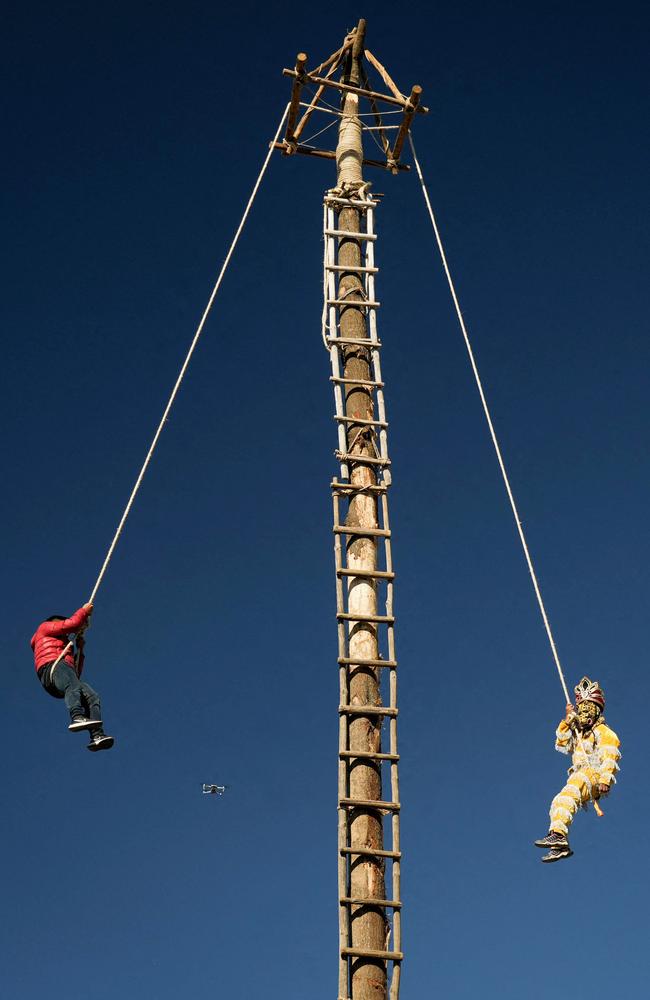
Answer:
[(301, 77)]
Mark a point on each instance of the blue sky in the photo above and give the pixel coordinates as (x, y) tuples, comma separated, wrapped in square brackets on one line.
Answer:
[(134, 134)]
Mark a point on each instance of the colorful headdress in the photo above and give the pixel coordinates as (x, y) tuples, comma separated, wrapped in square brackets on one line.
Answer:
[(588, 690)]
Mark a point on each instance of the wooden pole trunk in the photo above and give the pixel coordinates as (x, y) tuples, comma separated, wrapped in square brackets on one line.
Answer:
[(368, 924)]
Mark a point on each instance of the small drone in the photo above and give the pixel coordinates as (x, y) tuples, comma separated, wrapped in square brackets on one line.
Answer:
[(214, 789)]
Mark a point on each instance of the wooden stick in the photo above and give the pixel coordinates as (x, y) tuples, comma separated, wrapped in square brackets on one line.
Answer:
[(370, 804), (390, 956), (319, 93), (301, 62), (334, 58), (396, 152), (364, 383), (367, 755), (366, 617), (357, 487), (308, 113), (349, 89), (392, 86), (368, 710), (375, 110), (360, 662), (358, 420), (368, 852), (361, 901), (346, 456), (372, 574), (289, 148), (348, 529)]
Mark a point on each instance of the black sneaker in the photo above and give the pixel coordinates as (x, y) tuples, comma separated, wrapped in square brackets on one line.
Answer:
[(553, 840), (81, 722), (556, 854), (100, 742)]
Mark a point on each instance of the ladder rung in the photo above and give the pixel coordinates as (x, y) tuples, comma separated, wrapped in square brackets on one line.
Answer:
[(344, 456), (368, 710), (343, 529), (354, 488), (368, 755), (367, 852), (379, 574), (349, 661), (360, 268), (345, 233), (357, 381), (371, 303), (361, 420), (394, 904), (377, 619), (354, 341), (370, 804), (389, 956), (350, 202)]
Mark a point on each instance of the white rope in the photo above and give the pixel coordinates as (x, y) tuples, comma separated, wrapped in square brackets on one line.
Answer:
[(186, 362), (181, 375), (329, 109), (491, 426), (305, 142)]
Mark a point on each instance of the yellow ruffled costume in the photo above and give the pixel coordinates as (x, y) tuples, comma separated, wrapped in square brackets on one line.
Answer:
[(595, 759)]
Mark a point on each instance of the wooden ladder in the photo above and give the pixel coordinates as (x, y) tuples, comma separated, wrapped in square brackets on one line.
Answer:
[(383, 580)]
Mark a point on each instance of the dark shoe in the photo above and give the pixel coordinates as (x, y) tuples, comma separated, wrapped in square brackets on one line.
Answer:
[(80, 722), (101, 742), (557, 853), (553, 839)]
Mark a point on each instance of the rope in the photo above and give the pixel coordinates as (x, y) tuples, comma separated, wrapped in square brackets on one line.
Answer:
[(495, 442), (305, 142), (186, 362), (183, 369)]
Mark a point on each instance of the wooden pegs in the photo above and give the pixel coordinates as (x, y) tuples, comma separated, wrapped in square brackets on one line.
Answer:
[(301, 62), (411, 108)]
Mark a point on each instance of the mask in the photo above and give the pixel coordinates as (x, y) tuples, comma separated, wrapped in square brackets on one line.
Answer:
[(588, 713)]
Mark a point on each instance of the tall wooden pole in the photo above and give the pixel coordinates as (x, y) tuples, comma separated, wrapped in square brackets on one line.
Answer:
[(368, 924)]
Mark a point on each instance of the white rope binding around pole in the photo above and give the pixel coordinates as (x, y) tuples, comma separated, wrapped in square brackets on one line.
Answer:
[(486, 410), (184, 367)]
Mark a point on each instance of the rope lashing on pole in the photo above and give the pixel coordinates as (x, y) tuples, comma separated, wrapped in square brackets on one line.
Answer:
[(490, 424), (184, 366)]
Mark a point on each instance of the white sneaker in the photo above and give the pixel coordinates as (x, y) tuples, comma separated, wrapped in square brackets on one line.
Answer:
[(80, 722), (101, 742)]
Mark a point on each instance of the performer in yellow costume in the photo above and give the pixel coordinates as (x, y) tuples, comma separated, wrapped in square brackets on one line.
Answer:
[(595, 749)]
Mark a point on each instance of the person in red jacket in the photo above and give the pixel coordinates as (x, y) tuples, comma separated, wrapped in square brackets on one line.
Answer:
[(58, 645)]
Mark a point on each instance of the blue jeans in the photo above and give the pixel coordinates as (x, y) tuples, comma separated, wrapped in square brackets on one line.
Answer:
[(79, 697)]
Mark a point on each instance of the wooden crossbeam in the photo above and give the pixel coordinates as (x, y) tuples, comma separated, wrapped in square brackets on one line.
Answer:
[(347, 88), (288, 149)]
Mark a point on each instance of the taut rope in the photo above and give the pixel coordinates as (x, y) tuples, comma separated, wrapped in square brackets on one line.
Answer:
[(495, 442), (182, 371)]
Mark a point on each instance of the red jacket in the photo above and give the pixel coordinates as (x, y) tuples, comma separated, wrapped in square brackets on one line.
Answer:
[(50, 638)]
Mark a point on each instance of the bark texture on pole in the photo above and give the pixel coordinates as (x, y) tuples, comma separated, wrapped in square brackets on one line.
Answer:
[(368, 924)]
